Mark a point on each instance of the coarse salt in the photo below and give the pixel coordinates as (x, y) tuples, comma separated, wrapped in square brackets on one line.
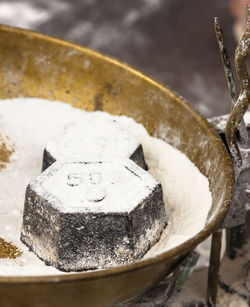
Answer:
[(30, 122)]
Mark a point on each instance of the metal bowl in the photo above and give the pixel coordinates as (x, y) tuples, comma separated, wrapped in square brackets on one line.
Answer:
[(35, 65)]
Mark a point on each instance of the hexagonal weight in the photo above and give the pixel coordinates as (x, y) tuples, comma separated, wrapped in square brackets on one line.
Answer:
[(96, 138), (80, 216)]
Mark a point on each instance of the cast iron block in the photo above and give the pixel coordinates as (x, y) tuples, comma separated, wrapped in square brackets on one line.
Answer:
[(96, 138), (89, 215)]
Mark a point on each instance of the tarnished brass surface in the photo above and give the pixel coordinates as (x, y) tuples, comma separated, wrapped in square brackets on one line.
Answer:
[(34, 65)]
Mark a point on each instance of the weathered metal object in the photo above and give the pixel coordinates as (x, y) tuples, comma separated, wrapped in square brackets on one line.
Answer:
[(243, 100), (239, 148), (214, 266), (93, 139), (160, 295), (238, 211), (229, 75), (80, 215), (35, 65), (237, 224), (233, 285), (236, 219)]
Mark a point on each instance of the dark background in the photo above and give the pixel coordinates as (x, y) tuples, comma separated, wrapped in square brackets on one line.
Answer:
[(173, 41)]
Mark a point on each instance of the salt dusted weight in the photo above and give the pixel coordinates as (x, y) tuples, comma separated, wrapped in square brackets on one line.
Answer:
[(92, 215), (96, 137)]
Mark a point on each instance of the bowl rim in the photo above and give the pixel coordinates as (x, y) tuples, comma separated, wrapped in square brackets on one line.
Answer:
[(181, 249)]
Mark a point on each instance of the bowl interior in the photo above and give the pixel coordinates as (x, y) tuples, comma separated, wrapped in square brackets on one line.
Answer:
[(34, 65)]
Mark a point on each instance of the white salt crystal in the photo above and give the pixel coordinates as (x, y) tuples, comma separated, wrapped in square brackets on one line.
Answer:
[(30, 123)]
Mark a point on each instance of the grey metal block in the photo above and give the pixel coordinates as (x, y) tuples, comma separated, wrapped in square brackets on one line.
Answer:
[(95, 138), (80, 216)]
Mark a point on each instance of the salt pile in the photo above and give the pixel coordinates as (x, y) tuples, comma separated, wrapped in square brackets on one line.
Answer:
[(23, 125)]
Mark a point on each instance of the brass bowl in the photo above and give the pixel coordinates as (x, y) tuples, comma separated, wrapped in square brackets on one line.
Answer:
[(35, 65)]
